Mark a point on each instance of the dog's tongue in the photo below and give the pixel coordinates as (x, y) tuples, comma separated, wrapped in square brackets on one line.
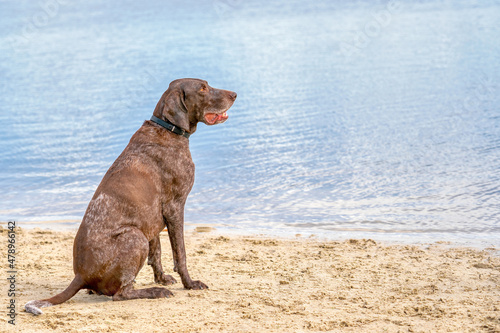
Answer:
[(212, 118)]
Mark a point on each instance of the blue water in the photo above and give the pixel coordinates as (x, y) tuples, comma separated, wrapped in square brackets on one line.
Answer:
[(362, 119)]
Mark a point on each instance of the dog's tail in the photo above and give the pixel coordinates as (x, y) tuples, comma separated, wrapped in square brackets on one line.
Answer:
[(34, 306)]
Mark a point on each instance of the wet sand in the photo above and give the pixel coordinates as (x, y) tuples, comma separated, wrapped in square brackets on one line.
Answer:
[(261, 284)]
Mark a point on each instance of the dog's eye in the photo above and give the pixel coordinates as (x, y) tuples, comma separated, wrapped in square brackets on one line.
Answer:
[(203, 88)]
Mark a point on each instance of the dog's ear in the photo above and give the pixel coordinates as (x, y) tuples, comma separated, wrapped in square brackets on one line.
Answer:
[(182, 100), (172, 107)]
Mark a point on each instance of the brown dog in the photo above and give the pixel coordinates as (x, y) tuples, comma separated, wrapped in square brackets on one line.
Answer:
[(144, 190)]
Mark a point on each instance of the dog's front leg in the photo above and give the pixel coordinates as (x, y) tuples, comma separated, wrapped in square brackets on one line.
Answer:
[(176, 234), (154, 259)]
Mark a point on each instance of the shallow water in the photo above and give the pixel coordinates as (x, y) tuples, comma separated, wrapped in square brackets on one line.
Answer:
[(364, 119)]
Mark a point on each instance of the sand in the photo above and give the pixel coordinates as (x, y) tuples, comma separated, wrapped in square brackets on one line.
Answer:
[(260, 284)]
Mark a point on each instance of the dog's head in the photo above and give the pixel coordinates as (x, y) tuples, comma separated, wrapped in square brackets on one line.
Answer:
[(190, 101)]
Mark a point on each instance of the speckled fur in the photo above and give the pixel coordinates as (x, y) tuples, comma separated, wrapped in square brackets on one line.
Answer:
[(143, 191)]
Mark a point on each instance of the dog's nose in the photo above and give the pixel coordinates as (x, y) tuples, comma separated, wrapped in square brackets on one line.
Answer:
[(233, 95)]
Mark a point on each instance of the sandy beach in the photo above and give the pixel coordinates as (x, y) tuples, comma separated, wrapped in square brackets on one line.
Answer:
[(261, 284)]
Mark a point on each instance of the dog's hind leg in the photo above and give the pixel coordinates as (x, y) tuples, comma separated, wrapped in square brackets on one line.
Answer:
[(154, 259), (133, 248), (128, 292)]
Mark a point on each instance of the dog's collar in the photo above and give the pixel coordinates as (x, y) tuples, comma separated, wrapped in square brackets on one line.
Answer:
[(171, 127)]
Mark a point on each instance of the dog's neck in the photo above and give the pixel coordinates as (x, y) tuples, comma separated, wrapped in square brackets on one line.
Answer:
[(170, 127)]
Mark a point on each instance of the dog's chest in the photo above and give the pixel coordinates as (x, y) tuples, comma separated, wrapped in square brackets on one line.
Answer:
[(178, 173)]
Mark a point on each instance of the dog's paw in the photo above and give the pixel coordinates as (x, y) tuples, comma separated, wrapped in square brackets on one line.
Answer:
[(156, 292), (163, 293), (165, 279), (196, 285)]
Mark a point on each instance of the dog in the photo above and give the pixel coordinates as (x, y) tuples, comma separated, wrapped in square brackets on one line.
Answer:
[(143, 192)]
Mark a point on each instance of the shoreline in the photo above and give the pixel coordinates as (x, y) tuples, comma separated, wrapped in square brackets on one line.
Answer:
[(273, 284), (389, 238)]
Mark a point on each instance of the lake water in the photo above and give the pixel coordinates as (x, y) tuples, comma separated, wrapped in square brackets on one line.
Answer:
[(372, 119)]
